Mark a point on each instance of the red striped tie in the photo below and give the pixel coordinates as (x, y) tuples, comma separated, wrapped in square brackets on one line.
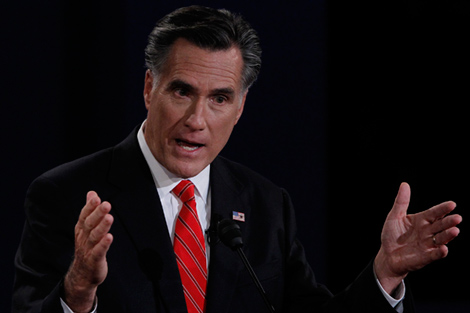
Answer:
[(189, 246)]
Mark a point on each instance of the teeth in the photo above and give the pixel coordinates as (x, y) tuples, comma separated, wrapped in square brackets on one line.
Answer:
[(187, 148)]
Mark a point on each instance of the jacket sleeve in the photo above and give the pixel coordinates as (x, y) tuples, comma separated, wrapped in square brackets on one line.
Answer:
[(45, 251), (304, 294)]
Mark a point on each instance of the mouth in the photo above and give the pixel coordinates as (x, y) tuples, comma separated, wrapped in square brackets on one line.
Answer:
[(189, 146)]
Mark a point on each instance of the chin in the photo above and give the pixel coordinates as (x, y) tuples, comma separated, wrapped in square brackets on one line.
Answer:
[(187, 171)]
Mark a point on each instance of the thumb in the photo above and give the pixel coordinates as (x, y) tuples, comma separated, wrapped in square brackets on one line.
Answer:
[(402, 202)]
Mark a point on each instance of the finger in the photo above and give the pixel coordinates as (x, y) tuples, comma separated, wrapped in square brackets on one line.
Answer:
[(91, 194), (445, 223), (101, 248), (101, 230), (92, 201), (439, 252), (97, 215), (446, 236), (438, 211), (402, 202)]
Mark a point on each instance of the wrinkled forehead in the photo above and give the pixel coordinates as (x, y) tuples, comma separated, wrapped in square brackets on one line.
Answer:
[(221, 67)]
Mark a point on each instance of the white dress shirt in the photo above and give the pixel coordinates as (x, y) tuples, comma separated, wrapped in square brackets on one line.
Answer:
[(171, 204), (165, 181)]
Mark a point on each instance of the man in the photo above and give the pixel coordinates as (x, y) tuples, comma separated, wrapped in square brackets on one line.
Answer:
[(123, 250)]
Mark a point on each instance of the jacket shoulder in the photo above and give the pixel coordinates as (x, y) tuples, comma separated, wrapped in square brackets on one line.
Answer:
[(88, 166), (94, 166), (242, 173)]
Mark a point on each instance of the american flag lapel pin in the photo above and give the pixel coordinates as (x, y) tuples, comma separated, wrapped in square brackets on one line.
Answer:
[(238, 216)]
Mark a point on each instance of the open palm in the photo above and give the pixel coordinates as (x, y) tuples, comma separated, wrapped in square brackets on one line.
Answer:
[(410, 242)]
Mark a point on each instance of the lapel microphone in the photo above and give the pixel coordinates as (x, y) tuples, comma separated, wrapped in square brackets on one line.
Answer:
[(212, 236), (230, 234)]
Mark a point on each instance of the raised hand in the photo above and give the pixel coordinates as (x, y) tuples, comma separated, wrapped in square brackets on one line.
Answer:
[(89, 267), (410, 242)]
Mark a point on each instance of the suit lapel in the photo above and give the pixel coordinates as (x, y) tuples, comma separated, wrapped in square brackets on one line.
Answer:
[(138, 207), (224, 263)]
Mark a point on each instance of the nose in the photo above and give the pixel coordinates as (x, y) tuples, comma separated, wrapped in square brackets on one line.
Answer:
[(196, 115)]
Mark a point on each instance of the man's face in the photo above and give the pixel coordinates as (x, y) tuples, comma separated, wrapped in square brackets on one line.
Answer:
[(193, 107)]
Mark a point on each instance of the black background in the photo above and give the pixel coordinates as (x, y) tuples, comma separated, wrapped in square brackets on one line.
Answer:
[(352, 99)]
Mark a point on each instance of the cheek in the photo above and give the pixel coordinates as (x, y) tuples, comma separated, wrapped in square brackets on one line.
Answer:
[(227, 122), (162, 117), (222, 131), (157, 127)]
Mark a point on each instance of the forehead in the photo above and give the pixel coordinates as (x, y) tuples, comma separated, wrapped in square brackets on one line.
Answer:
[(189, 62)]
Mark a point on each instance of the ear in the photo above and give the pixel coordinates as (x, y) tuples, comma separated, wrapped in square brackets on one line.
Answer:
[(148, 88), (240, 109)]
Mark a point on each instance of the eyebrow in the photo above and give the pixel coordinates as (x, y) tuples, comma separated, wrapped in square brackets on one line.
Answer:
[(180, 84), (225, 91)]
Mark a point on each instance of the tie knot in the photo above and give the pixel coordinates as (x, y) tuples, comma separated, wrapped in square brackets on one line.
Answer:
[(184, 190)]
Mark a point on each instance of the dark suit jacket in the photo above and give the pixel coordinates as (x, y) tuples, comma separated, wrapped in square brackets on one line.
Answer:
[(143, 275)]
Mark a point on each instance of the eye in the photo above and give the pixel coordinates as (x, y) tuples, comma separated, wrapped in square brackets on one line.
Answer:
[(219, 99), (181, 92)]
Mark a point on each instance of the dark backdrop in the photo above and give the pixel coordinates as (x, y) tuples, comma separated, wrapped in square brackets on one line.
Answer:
[(352, 99), (398, 111)]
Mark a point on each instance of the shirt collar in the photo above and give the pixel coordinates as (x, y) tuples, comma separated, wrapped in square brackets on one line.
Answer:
[(164, 179)]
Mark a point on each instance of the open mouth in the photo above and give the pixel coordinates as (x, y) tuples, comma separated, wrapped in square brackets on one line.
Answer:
[(188, 146)]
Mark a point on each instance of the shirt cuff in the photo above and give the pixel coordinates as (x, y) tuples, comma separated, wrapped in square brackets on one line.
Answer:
[(66, 308), (399, 295)]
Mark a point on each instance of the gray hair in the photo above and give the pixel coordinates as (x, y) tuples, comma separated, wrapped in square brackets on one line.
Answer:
[(206, 28)]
